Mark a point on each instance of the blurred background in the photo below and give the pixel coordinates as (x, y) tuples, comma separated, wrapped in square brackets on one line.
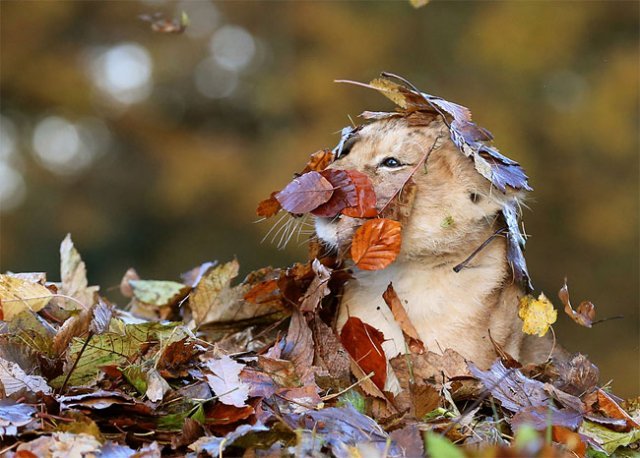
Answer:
[(153, 149)]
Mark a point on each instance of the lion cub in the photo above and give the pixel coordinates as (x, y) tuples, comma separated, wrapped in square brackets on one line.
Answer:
[(454, 211)]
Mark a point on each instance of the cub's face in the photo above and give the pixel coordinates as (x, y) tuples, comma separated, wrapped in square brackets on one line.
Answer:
[(454, 206)]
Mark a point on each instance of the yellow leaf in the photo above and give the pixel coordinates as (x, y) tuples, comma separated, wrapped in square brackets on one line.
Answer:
[(418, 3), (390, 90), (537, 314), (18, 295)]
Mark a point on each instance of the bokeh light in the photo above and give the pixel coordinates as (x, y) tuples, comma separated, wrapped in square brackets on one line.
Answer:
[(232, 47)]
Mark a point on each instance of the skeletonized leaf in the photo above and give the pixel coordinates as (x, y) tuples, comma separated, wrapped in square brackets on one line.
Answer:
[(14, 380), (537, 314), (73, 273), (376, 244), (364, 343), (18, 295), (584, 314), (365, 206), (305, 193), (225, 381)]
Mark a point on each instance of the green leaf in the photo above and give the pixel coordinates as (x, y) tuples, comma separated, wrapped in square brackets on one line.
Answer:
[(354, 398), (439, 447), (136, 376), (158, 292), (609, 440)]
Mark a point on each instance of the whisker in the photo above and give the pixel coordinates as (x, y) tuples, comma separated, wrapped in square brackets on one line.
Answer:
[(284, 215)]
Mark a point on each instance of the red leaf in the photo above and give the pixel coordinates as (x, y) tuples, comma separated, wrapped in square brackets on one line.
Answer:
[(376, 244), (344, 193), (365, 207), (364, 343), (268, 207), (305, 193)]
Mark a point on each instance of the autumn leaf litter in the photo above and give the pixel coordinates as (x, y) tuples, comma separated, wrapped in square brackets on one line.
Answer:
[(212, 366)]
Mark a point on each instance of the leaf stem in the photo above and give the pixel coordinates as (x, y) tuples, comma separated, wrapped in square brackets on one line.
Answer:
[(75, 363)]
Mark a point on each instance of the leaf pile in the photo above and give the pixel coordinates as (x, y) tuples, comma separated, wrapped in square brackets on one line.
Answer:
[(202, 367)]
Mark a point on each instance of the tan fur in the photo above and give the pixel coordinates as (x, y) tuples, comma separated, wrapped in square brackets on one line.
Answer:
[(448, 309)]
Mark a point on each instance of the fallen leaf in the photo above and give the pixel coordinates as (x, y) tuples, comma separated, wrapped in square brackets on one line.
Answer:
[(269, 207), (14, 416), (14, 380), (156, 386), (125, 286), (364, 343), (305, 193), (214, 446), (400, 315), (329, 352), (541, 417), (225, 382), (611, 408), (18, 295), (584, 314), (73, 273), (376, 244), (298, 348), (158, 292), (438, 446), (318, 288), (609, 440), (204, 301), (577, 376), (63, 444), (571, 440), (537, 314), (365, 206), (319, 161)]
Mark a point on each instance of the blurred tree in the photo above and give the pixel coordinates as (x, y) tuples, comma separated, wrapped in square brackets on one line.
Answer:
[(153, 149)]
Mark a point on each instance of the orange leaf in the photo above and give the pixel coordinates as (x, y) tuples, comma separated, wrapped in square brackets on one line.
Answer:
[(376, 244), (366, 197), (571, 440), (364, 343), (400, 314), (319, 161), (610, 407), (268, 207)]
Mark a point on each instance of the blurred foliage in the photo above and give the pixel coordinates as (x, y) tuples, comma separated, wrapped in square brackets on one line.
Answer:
[(180, 173)]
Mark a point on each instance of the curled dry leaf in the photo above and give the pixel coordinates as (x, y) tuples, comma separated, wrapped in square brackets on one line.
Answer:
[(364, 343), (376, 244), (318, 288), (269, 207), (73, 273), (584, 314), (319, 161), (400, 314), (537, 314), (305, 193)]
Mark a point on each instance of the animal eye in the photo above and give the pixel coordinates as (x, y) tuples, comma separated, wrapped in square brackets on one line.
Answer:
[(391, 162)]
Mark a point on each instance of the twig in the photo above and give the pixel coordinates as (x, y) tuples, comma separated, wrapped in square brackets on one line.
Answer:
[(75, 363), (491, 238), (609, 318)]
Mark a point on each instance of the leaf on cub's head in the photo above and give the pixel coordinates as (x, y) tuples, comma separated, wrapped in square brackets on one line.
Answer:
[(376, 244), (364, 343), (584, 314), (305, 193), (537, 314), (269, 207)]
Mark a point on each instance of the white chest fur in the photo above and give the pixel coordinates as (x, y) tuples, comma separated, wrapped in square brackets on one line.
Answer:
[(446, 308)]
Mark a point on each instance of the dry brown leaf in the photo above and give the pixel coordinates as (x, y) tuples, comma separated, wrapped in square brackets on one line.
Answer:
[(376, 244), (319, 161), (318, 288), (269, 207), (73, 274), (607, 405), (584, 314)]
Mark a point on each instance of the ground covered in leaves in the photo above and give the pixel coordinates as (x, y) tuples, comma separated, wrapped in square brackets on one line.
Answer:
[(199, 367)]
